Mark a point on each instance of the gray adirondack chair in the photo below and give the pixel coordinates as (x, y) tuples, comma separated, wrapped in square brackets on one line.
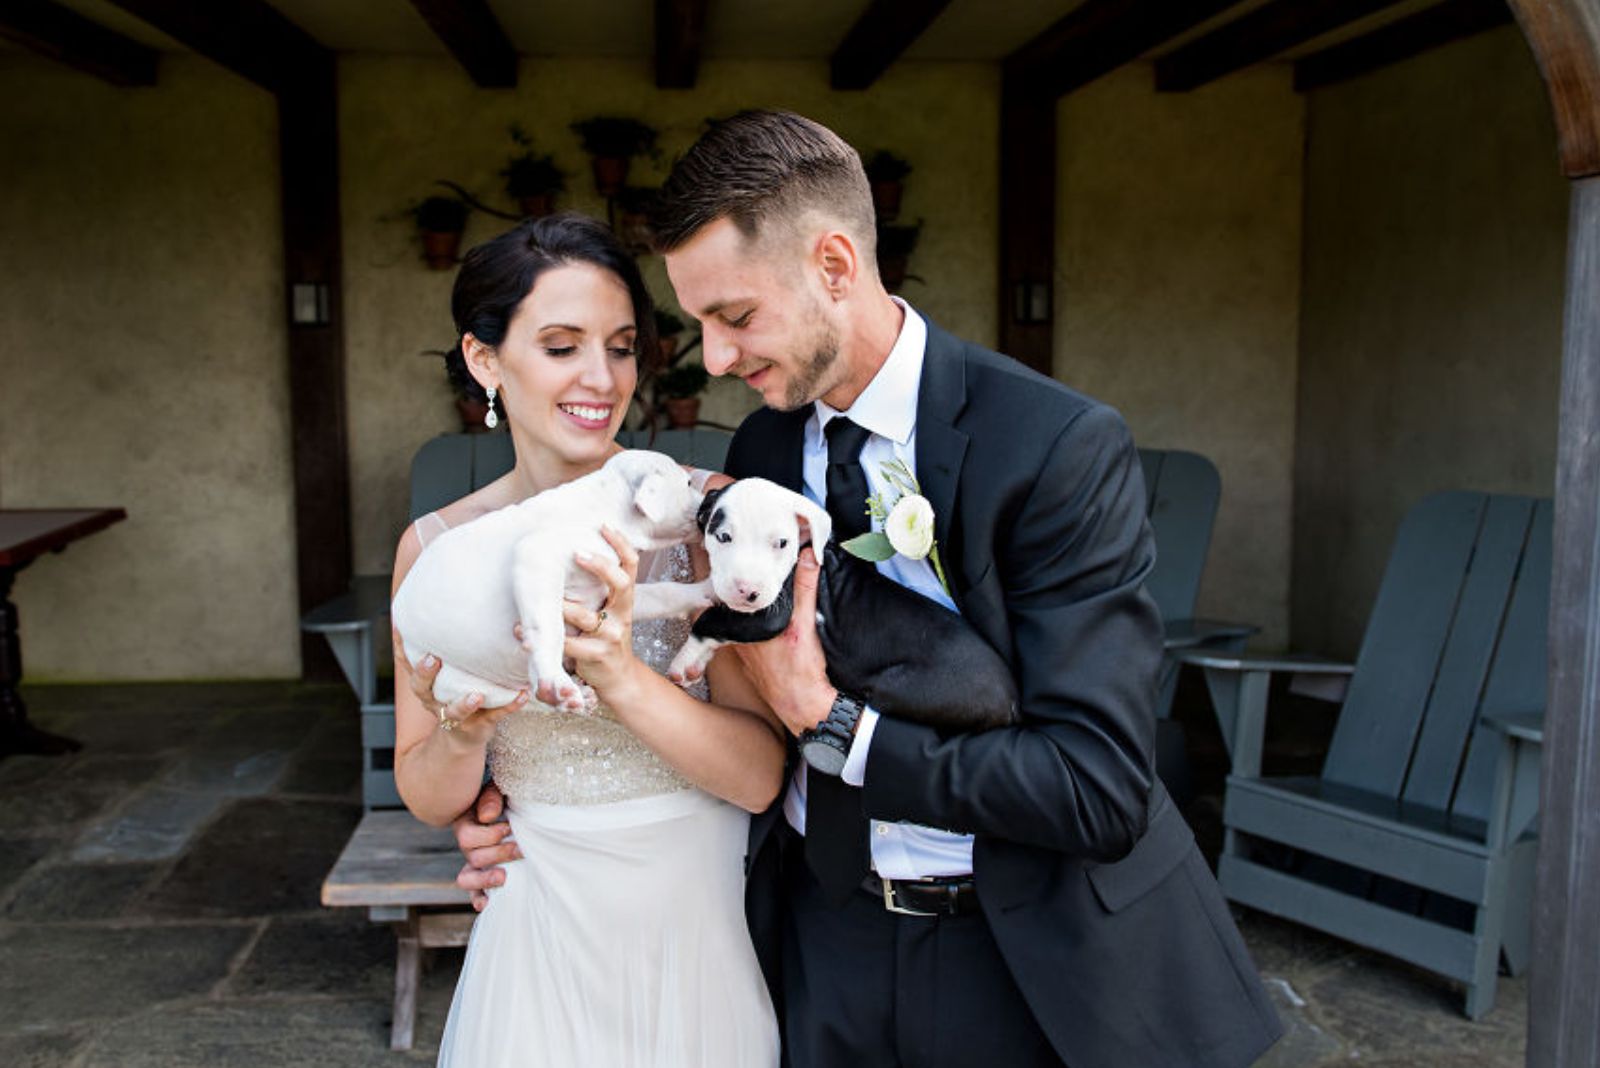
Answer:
[(355, 624), (1182, 490), (1417, 838)]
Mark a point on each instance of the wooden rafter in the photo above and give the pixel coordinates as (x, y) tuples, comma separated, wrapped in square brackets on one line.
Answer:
[(1258, 35), (680, 33), (1401, 39), (880, 36), (67, 37), (473, 35), (1098, 36), (249, 37)]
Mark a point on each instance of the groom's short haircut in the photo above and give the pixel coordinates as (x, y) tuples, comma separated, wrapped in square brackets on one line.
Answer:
[(764, 171)]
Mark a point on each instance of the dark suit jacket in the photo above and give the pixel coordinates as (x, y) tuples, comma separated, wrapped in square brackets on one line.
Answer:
[(1104, 910)]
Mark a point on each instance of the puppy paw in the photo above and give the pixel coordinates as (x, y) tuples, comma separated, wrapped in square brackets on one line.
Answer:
[(690, 663)]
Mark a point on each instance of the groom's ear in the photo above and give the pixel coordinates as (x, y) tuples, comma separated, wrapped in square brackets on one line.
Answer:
[(839, 262)]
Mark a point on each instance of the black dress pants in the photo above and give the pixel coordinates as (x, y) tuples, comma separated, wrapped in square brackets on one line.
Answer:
[(868, 988)]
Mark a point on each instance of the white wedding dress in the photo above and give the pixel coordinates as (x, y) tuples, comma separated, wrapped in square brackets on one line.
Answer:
[(619, 940)]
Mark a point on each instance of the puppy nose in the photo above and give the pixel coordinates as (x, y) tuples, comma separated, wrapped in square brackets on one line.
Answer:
[(752, 596)]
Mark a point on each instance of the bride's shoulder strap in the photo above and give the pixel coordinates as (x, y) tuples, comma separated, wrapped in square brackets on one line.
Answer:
[(429, 527)]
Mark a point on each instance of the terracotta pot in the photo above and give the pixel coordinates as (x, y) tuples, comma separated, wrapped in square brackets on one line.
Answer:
[(886, 198), (633, 230), (440, 248), (537, 205), (610, 175), (682, 412), (893, 272), (472, 412), (669, 348)]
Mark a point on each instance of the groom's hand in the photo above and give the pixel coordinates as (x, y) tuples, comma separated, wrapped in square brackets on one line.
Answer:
[(484, 838), (790, 671)]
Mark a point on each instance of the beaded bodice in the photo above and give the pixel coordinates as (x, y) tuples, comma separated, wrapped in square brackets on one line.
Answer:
[(543, 756)]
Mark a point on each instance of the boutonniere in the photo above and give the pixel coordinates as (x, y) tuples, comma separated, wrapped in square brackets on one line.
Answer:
[(906, 521)]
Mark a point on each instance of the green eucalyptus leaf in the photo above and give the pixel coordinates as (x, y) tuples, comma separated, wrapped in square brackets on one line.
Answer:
[(873, 546)]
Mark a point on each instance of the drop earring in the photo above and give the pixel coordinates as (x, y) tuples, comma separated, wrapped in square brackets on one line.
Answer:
[(491, 420)]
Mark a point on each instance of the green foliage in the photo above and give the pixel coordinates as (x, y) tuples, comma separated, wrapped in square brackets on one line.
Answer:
[(873, 546), (682, 380), (895, 242), (445, 215), (613, 136), (668, 324), (885, 166)]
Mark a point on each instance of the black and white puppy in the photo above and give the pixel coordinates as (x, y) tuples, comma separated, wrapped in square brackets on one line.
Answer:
[(905, 655)]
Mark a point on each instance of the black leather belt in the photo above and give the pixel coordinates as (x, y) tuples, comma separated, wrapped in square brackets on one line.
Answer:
[(948, 896)]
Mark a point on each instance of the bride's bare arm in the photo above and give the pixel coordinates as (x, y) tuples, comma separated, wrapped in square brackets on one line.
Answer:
[(438, 772), (731, 747)]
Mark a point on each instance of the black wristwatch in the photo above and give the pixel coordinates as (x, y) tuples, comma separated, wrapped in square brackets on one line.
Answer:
[(826, 745)]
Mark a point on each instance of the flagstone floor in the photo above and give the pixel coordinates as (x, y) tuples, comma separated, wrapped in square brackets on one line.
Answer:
[(158, 902)]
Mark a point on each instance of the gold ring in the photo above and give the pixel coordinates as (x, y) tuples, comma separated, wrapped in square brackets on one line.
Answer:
[(446, 723), (598, 620)]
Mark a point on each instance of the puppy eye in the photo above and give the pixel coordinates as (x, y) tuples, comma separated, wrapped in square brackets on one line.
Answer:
[(724, 537), (783, 543)]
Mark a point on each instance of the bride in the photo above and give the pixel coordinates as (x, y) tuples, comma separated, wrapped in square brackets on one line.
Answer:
[(618, 935)]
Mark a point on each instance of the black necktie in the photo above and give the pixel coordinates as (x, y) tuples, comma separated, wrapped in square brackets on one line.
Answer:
[(836, 829)]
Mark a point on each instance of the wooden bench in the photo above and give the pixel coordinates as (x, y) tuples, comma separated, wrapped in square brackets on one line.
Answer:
[(398, 869)]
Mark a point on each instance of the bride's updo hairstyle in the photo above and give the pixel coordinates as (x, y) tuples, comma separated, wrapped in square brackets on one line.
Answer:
[(496, 275)]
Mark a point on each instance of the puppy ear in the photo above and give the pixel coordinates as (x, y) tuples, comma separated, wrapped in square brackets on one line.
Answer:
[(650, 497), (709, 505), (818, 520)]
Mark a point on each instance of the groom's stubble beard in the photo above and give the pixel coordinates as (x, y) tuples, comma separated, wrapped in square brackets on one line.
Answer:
[(809, 379)]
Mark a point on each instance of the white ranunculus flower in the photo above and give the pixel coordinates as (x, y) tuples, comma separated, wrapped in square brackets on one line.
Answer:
[(910, 526)]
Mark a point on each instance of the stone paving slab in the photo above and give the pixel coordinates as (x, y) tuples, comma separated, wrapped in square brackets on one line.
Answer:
[(155, 824), (53, 1049), (52, 803), (340, 953), (238, 770), (255, 1034), (55, 893), (17, 855), (260, 856), (57, 976)]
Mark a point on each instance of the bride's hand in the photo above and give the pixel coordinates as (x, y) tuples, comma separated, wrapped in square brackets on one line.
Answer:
[(602, 650), (473, 723)]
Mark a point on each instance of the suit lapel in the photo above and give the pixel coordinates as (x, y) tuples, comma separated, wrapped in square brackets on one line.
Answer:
[(941, 448)]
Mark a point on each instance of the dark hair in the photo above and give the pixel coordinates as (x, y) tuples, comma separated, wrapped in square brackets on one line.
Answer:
[(496, 275), (762, 167)]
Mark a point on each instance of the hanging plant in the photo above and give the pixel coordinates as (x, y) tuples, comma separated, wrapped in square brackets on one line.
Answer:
[(886, 173), (679, 388), (668, 327), (613, 142), (440, 222), (895, 245), (532, 181), (633, 218)]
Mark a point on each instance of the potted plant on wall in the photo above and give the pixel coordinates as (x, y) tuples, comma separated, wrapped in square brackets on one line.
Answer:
[(633, 218), (440, 223), (895, 245), (532, 181), (886, 173), (679, 388), (668, 327), (613, 142)]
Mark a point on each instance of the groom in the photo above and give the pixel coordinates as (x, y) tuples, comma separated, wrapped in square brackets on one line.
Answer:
[(1022, 896)]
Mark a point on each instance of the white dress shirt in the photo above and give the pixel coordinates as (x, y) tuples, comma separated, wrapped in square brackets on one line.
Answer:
[(888, 409)]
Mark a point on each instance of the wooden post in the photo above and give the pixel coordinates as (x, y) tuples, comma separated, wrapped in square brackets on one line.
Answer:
[(1027, 223), (309, 171), (1564, 998)]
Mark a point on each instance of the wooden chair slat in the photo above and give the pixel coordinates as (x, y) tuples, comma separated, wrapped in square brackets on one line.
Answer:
[(1463, 670), (1405, 639)]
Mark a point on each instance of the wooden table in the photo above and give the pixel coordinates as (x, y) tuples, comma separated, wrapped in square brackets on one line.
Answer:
[(25, 535)]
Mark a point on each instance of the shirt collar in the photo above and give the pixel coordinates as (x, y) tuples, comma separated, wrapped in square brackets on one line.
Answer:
[(888, 406)]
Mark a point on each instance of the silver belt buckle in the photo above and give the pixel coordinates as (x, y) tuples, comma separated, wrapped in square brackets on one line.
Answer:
[(889, 902)]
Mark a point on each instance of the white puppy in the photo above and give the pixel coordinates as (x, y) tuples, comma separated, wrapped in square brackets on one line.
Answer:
[(465, 593), (753, 535)]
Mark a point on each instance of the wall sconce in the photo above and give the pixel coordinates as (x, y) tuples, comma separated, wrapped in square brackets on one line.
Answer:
[(308, 304), (1031, 302)]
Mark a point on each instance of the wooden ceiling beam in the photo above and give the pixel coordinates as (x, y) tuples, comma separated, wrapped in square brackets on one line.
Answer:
[(83, 44), (1399, 40), (249, 37), (474, 36), (1098, 36), (879, 37), (1258, 35), (680, 36)]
